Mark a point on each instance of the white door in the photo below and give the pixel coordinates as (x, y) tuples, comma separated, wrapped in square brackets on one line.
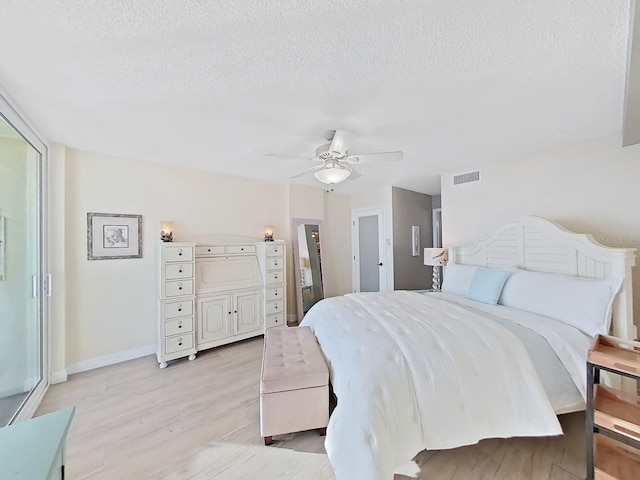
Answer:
[(369, 268), (214, 318), (248, 312)]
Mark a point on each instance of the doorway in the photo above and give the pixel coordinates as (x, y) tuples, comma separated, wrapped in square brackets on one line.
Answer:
[(369, 266)]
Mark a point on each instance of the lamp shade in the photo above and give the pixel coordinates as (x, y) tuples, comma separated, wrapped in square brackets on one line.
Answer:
[(334, 174), (436, 256)]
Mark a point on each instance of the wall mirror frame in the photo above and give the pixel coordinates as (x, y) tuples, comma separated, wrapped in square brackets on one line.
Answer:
[(307, 237)]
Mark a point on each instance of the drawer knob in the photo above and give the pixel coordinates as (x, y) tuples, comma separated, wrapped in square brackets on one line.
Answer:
[(180, 343), (235, 311), (180, 326), (208, 249), (242, 249), (179, 309), (180, 254), (229, 313), (276, 294)]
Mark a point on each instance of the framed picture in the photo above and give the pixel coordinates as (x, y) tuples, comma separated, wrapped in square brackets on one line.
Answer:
[(113, 235), (415, 240)]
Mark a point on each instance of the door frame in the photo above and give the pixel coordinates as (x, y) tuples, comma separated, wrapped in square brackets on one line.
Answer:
[(356, 213), (42, 284)]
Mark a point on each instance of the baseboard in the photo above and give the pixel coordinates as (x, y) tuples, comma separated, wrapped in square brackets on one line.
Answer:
[(110, 359), (58, 377)]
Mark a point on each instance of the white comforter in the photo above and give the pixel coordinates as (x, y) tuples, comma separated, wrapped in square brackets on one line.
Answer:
[(412, 372)]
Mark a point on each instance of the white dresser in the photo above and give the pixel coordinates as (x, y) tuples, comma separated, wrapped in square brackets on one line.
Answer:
[(272, 260), (176, 302), (229, 294), (214, 294)]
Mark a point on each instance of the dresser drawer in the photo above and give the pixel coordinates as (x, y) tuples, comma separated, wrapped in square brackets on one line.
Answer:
[(208, 250), (274, 250), (274, 293), (275, 320), (178, 270), (240, 249), (179, 254), (177, 326), (177, 288), (275, 263), (179, 342), (277, 276), (178, 309), (275, 307)]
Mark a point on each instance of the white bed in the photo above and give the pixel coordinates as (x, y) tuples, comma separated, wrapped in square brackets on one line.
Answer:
[(414, 371)]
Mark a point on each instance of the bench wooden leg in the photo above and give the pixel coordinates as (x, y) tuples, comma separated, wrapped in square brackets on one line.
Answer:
[(322, 431), (268, 440)]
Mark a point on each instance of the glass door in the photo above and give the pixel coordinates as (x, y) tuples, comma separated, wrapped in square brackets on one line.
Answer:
[(22, 307)]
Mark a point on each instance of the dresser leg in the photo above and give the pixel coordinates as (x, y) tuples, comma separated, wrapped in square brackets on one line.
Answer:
[(163, 364), (192, 356), (268, 440)]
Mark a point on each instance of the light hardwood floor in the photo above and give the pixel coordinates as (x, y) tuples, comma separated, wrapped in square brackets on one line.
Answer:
[(200, 420)]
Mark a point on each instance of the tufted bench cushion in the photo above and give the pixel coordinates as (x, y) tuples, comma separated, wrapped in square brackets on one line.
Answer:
[(294, 384)]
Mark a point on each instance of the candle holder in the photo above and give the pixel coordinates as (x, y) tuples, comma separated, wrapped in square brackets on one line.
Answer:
[(166, 232), (268, 233)]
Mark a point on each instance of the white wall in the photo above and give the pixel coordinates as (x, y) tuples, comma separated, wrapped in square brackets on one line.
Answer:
[(337, 244), (110, 304), (588, 188)]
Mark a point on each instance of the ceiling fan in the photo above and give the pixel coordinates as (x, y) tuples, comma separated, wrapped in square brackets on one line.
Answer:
[(336, 160)]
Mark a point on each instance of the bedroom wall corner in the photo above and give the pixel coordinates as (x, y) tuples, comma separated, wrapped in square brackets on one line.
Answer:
[(591, 188), (337, 244)]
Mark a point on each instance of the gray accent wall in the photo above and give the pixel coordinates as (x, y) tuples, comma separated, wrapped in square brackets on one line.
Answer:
[(411, 208)]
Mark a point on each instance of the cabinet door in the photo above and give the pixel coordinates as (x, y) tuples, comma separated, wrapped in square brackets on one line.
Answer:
[(248, 312), (214, 318)]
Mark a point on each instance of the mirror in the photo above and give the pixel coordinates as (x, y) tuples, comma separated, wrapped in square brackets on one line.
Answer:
[(307, 260)]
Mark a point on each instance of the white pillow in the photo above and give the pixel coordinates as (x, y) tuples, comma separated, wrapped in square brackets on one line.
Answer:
[(581, 302), (457, 278)]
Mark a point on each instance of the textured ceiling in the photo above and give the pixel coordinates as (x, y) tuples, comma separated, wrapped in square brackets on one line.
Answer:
[(215, 84)]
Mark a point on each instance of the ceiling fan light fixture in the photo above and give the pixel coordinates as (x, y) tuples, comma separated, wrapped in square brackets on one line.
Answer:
[(334, 174)]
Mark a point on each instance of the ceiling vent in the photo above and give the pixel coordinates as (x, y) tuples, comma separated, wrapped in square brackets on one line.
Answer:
[(466, 177)]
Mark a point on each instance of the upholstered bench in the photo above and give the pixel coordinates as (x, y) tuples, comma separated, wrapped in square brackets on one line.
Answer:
[(294, 384)]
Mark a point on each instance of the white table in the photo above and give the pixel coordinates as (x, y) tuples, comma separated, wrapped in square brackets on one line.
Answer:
[(34, 449)]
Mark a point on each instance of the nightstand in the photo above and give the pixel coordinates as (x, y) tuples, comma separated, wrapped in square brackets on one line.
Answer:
[(612, 416)]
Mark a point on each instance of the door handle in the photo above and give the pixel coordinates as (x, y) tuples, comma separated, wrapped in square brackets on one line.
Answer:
[(380, 264)]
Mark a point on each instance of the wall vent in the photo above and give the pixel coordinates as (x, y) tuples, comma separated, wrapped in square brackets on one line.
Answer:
[(466, 177)]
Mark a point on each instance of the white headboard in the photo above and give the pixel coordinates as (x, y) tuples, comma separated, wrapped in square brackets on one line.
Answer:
[(533, 243)]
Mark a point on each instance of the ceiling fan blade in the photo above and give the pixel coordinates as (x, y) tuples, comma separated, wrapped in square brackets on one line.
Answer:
[(308, 170), (341, 141), (375, 157), (280, 155)]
